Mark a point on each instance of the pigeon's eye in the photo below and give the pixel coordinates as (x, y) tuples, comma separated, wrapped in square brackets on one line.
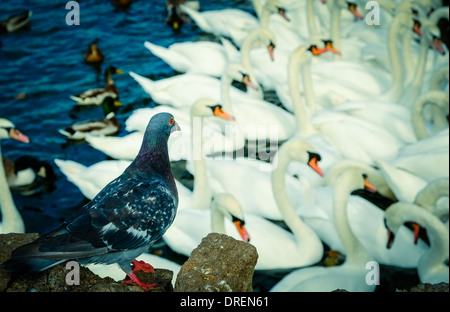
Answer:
[(171, 121)]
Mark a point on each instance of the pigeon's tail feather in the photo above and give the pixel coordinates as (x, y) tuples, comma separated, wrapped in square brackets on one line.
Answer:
[(24, 266), (28, 259), (47, 251)]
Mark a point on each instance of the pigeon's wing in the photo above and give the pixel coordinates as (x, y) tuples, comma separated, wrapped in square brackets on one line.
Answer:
[(129, 213)]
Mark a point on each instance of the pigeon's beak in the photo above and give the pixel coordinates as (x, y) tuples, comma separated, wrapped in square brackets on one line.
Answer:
[(175, 127), (19, 136)]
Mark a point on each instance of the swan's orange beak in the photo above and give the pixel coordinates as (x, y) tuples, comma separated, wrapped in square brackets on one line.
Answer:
[(218, 111), (247, 81), (313, 163), (391, 238), (329, 47), (416, 230), (316, 51), (368, 185), (416, 28), (19, 136), (354, 10), (241, 229), (271, 47), (282, 12), (437, 45)]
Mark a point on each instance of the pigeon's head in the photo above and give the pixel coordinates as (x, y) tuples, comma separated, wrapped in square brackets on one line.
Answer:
[(162, 124)]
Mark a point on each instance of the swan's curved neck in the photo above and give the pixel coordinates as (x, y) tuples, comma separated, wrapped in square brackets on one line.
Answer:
[(225, 85), (429, 196), (415, 87), (341, 194), (217, 220), (264, 17), (306, 237), (311, 18), (440, 76), (396, 90), (202, 194), (439, 99), (11, 218), (437, 232), (300, 61), (258, 6), (336, 27), (246, 61)]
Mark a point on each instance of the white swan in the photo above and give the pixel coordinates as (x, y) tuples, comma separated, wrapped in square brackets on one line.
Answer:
[(233, 23), (211, 58), (91, 179), (185, 89), (428, 164), (277, 248), (348, 135), (352, 274), (431, 267), (408, 124), (11, 219), (371, 83), (197, 57), (215, 134), (258, 119), (365, 219), (439, 101), (265, 236), (431, 35), (434, 197), (224, 215)]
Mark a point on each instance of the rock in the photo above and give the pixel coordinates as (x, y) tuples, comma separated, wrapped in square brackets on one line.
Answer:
[(54, 279), (426, 287), (219, 264), (9, 242)]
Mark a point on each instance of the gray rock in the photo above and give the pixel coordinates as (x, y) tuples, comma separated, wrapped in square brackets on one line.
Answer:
[(54, 279), (219, 264)]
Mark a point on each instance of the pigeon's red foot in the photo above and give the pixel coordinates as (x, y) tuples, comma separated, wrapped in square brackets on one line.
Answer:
[(140, 266), (135, 280)]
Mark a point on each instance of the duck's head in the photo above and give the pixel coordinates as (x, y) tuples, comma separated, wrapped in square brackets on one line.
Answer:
[(174, 18)]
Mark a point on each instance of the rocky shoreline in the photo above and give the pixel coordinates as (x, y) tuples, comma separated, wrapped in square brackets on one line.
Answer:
[(219, 264)]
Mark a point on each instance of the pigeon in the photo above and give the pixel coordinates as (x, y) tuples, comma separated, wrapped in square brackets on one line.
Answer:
[(125, 218)]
